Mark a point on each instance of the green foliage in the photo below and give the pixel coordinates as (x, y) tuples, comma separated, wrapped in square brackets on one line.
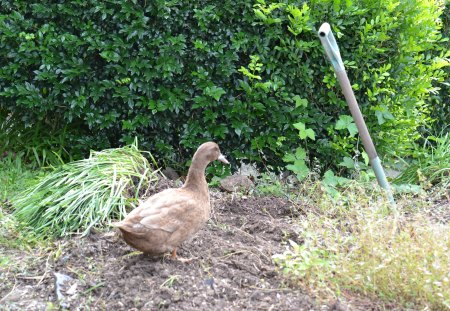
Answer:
[(269, 184), (346, 122), (39, 145), (14, 176), (305, 260), (440, 107), (331, 183), (86, 193), (176, 73), (432, 166), (298, 163)]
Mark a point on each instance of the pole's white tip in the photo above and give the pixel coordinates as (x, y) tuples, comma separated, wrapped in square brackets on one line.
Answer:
[(324, 30)]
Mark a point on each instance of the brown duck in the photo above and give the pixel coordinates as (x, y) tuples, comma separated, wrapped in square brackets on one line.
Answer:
[(162, 222)]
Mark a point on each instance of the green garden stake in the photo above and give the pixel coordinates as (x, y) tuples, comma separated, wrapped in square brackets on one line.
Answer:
[(332, 51)]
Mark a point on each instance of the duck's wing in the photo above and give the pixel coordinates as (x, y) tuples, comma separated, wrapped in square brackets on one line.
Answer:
[(166, 211)]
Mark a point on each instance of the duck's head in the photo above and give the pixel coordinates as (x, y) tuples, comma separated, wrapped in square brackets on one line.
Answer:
[(209, 152)]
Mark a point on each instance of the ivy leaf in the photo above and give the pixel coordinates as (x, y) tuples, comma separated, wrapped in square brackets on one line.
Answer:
[(348, 163), (299, 126), (346, 122), (380, 117), (352, 129), (300, 153), (343, 122), (304, 132), (300, 102), (310, 133), (289, 158), (330, 179), (365, 157), (299, 168), (382, 113)]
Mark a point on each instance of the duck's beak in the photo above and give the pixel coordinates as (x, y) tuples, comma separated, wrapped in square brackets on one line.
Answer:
[(222, 159)]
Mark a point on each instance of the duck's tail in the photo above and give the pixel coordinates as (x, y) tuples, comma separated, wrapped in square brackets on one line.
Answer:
[(117, 224)]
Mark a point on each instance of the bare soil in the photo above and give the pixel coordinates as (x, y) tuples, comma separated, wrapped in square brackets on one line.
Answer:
[(231, 269)]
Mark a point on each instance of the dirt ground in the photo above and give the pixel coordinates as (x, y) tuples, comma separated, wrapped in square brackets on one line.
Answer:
[(232, 268)]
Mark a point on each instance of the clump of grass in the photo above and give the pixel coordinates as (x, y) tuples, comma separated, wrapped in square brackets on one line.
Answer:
[(14, 175), (12, 237), (352, 245), (432, 167), (82, 194)]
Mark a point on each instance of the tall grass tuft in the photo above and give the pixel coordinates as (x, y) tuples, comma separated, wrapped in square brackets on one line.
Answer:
[(432, 167), (83, 194), (15, 174)]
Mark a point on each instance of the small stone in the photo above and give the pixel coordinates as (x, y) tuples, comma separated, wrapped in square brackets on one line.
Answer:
[(249, 170), (338, 306), (209, 282), (236, 183), (72, 290), (170, 173)]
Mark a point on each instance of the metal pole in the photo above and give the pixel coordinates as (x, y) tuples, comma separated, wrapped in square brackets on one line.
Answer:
[(332, 50)]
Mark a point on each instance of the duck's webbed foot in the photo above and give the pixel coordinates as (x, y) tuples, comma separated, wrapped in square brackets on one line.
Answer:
[(174, 256)]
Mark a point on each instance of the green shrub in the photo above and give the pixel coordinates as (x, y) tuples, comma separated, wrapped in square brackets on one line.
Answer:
[(177, 73), (440, 108)]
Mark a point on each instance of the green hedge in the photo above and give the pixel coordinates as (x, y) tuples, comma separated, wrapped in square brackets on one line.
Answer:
[(177, 73), (441, 106)]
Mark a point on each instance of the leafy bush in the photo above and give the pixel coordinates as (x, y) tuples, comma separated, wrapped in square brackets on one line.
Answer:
[(86, 193), (440, 108), (177, 73)]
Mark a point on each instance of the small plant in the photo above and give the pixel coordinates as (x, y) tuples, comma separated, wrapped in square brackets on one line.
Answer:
[(331, 183), (269, 184), (432, 167), (307, 261), (170, 281), (86, 193)]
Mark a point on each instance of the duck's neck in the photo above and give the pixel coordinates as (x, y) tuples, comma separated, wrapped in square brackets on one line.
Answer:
[(196, 179)]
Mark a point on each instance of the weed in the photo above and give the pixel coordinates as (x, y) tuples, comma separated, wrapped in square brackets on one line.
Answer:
[(432, 167), (350, 245), (269, 184), (12, 237), (170, 281), (14, 175)]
